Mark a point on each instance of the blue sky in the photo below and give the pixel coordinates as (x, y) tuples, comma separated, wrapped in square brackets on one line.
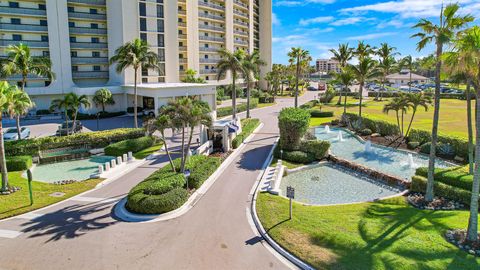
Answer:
[(318, 25)]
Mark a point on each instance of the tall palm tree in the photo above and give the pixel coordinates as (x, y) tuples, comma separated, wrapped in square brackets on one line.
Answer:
[(21, 62), (76, 102), (407, 62), (251, 65), (60, 104), (346, 79), (103, 97), (342, 55), (415, 101), (6, 100), (21, 103), (365, 70), (440, 34), (399, 105), (363, 50), (135, 54), (231, 62), (386, 53), (161, 123), (298, 57)]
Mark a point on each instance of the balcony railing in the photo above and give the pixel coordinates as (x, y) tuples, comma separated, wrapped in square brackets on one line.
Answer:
[(31, 43), (211, 27), (182, 48), (209, 60), (239, 13), (240, 3), (86, 30), (241, 42), (241, 23), (182, 36), (243, 33), (211, 16), (210, 5), (209, 38), (182, 24), (209, 49), (183, 60), (23, 11), (208, 71), (89, 60), (89, 2), (24, 27), (89, 74), (84, 15), (88, 45)]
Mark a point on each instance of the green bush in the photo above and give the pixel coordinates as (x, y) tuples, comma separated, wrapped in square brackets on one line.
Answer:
[(19, 163), (320, 114), (317, 148), (413, 145), (425, 148), (328, 95), (456, 176), (132, 145), (102, 115), (31, 147), (310, 104), (161, 182), (459, 145), (384, 128), (226, 111), (366, 132), (293, 124), (298, 157), (248, 126), (419, 184), (139, 202), (202, 172)]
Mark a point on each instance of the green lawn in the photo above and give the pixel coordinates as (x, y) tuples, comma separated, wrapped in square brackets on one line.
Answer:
[(384, 235), (148, 151), (263, 105), (19, 202), (289, 165), (453, 116)]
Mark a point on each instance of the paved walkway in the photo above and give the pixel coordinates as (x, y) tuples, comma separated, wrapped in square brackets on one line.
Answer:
[(215, 234)]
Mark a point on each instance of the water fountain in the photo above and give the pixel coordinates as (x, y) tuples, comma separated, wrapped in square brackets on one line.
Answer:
[(411, 163), (368, 146), (327, 129), (340, 136)]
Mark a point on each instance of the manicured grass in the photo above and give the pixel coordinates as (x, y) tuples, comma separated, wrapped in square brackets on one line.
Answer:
[(317, 121), (453, 115), (263, 105), (19, 202), (148, 151), (383, 235), (289, 165)]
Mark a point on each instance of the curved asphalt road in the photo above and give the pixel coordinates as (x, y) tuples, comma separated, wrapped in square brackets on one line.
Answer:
[(215, 234)]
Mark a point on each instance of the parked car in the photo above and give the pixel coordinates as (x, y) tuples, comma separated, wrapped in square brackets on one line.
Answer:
[(311, 88), (62, 129), (12, 134)]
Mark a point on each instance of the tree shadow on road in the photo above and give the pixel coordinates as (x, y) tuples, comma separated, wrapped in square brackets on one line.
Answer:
[(253, 159), (71, 221)]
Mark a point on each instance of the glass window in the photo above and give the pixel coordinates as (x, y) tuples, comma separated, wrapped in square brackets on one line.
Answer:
[(44, 38), (17, 37), (42, 7), (143, 24), (161, 55), (46, 53), (161, 41), (160, 26), (96, 68), (74, 68), (143, 9), (43, 22), (95, 40), (160, 11), (73, 39), (71, 24), (95, 54), (13, 4), (94, 25), (93, 11), (73, 54), (143, 36), (15, 21), (71, 9)]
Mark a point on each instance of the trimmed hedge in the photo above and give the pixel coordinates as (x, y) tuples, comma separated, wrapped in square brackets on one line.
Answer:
[(100, 139), (422, 136), (456, 177), (310, 104), (382, 127), (320, 114), (419, 184), (132, 145), (225, 111), (317, 148), (248, 126), (164, 190), (442, 96), (19, 163), (82, 116), (293, 124)]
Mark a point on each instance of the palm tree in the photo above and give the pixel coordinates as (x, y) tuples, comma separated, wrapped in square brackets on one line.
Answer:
[(231, 62), (161, 123), (137, 55), (387, 63), (251, 65), (365, 70), (345, 78), (103, 97), (76, 102), (191, 77), (397, 104), (21, 103), (298, 57), (363, 50), (20, 61), (407, 62), (416, 100), (6, 100), (62, 104), (440, 34), (342, 55)]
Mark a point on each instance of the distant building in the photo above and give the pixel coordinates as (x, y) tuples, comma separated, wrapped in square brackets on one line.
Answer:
[(328, 65), (402, 78)]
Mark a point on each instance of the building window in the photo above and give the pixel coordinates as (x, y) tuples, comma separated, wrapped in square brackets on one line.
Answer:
[(47, 83), (96, 68), (143, 36), (144, 80), (71, 9), (15, 21), (143, 24), (43, 22), (161, 40), (161, 55), (93, 11), (42, 7), (160, 11), (45, 38), (13, 4), (73, 39), (71, 24), (16, 37), (95, 54), (73, 54), (75, 68), (46, 54), (160, 26), (145, 72), (181, 67), (94, 25), (143, 9), (95, 40)]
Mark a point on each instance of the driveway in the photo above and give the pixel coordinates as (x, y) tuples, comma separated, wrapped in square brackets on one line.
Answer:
[(214, 234)]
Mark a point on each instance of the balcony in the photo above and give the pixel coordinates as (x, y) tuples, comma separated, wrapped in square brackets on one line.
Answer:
[(88, 45), (241, 42), (182, 36), (215, 39), (182, 48), (88, 16), (211, 16), (211, 5), (183, 60), (182, 24), (209, 49), (208, 71), (209, 60), (240, 3), (90, 74), (87, 30), (89, 60), (241, 14), (23, 11), (89, 2), (24, 27), (211, 27), (243, 33), (31, 43), (182, 12), (237, 22)]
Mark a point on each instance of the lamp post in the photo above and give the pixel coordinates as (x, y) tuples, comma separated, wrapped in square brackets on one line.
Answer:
[(281, 154), (30, 177), (186, 173)]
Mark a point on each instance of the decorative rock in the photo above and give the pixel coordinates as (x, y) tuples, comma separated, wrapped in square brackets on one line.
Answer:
[(113, 163), (471, 251), (107, 166), (119, 160), (375, 135), (125, 158)]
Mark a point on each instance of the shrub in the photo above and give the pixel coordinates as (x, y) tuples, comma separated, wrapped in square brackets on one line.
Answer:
[(328, 95), (460, 145), (317, 148), (202, 172), (265, 98), (31, 147), (446, 150), (310, 104), (413, 145), (366, 132), (248, 126), (382, 127), (320, 114), (456, 176), (82, 116), (19, 163), (298, 157), (225, 111), (419, 184), (162, 182), (425, 148), (132, 145), (139, 202), (293, 124)]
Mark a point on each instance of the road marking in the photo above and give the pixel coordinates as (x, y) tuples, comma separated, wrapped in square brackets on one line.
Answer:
[(30, 216), (93, 199), (9, 234)]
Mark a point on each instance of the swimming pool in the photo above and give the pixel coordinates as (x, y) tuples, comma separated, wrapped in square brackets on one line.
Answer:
[(332, 184), (384, 159), (78, 170)]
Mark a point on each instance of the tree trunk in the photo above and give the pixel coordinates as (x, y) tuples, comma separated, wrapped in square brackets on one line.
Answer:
[(339, 102), (403, 113), (360, 91), (248, 99), (411, 121), (345, 105), (183, 149), (187, 149), (296, 82), (17, 120), (471, 146), (3, 162), (135, 120), (234, 96), (429, 194), (103, 106), (66, 120), (24, 81), (398, 121), (162, 132), (472, 230), (74, 124)]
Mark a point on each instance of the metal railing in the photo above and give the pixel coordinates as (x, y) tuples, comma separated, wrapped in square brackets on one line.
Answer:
[(89, 60), (23, 11), (209, 38), (31, 43), (210, 5), (211, 27), (88, 45), (89, 74), (86, 30), (24, 27), (211, 16), (89, 2), (84, 15)]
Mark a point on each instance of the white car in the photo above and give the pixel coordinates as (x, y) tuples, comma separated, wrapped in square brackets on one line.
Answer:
[(12, 134)]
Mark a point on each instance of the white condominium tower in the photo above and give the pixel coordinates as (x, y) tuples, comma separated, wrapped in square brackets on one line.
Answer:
[(80, 36)]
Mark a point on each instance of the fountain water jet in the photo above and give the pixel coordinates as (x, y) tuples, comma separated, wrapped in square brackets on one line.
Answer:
[(327, 129), (411, 163), (340, 136), (368, 146)]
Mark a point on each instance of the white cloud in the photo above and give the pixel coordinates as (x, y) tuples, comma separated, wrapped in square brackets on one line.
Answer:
[(351, 20), (275, 20), (294, 3), (371, 36), (396, 23), (324, 19)]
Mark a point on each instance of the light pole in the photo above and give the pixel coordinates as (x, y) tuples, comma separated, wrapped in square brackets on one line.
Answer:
[(281, 154), (186, 173)]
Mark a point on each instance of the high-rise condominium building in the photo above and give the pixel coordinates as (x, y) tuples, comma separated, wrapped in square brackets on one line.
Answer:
[(327, 65), (79, 36)]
